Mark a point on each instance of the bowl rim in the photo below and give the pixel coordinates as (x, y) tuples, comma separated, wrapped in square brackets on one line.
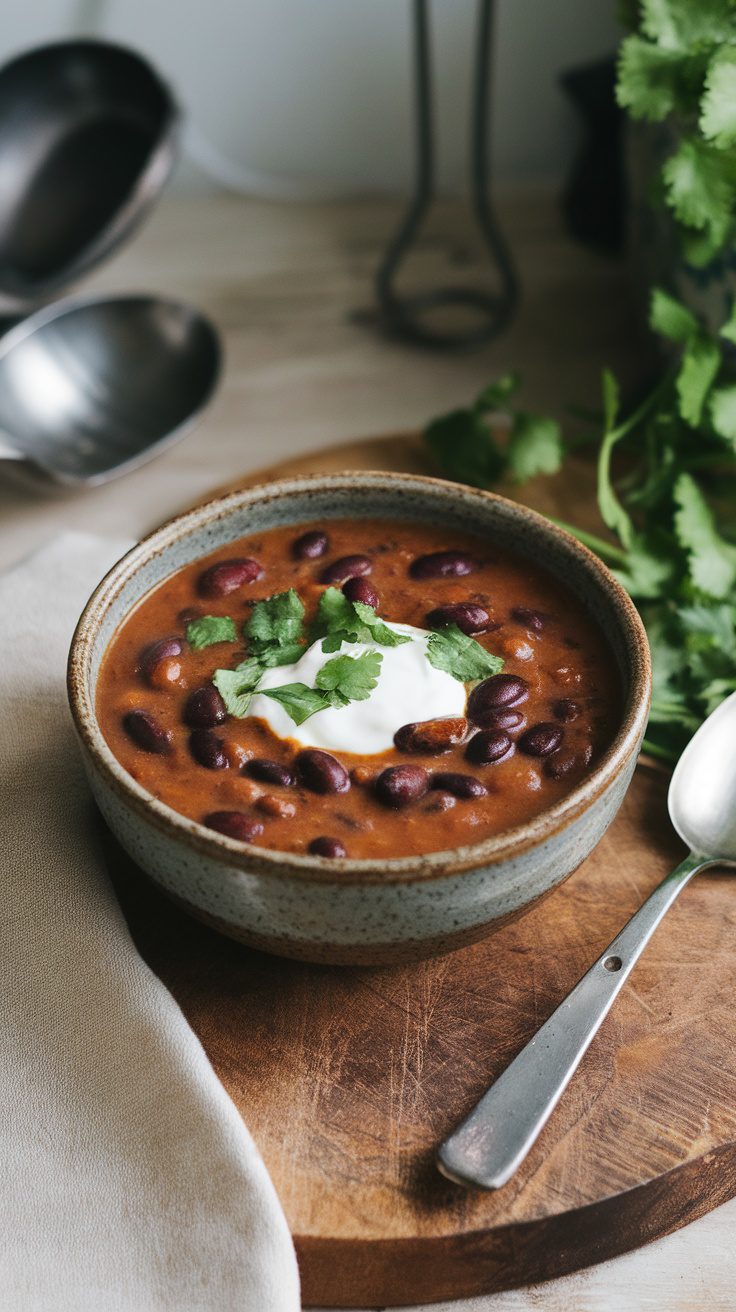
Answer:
[(251, 859)]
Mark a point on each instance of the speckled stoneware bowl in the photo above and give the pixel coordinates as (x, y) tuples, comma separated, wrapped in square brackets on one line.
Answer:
[(346, 910)]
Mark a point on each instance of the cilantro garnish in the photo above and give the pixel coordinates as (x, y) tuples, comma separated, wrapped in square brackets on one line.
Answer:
[(236, 687), (339, 620), (463, 657), (208, 629), (275, 629), (342, 680)]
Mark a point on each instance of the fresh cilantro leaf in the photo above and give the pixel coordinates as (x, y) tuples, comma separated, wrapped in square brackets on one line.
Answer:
[(647, 79), (700, 363), (718, 106), (715, 692), (712, 560), (340, 681), (464, 448), (353, 678), (236, 686), (209, 629), (650, 567), (728, 331), (274, 628), (723, 412), (535, 447), (379, 632), (339, 620), (670, 318), (679, 24), (699, 189), (299, 700), (463, 657)]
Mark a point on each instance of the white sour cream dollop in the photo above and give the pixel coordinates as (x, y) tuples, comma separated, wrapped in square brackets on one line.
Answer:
[(408, 689)]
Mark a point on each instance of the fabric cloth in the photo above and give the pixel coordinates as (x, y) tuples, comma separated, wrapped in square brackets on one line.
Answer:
[(128, 1181)]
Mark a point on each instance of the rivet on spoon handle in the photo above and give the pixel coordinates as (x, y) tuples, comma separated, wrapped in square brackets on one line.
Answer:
[(489, 1146)]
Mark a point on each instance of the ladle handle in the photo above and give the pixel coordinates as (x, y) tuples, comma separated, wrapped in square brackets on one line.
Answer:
[(493, 1141)]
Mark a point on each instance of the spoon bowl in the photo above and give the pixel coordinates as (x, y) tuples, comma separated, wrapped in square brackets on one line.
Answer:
[(88, 134), (91, 389), (702, 793)]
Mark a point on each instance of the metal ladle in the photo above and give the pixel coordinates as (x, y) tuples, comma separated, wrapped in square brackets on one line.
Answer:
[(490, 1145), (90, 389)]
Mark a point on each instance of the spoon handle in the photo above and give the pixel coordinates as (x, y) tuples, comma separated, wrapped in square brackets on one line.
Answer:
[(486, 1149)]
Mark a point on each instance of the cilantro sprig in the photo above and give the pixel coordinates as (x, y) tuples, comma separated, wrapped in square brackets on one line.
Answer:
[(209, 629), (340, 681), (339, 620), (463, 657)]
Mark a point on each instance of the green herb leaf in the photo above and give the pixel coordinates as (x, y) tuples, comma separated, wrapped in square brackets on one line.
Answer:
[(650, 568), (236, 686), (339, 620), (209, 629), (723, 412), (678, 24), (298, 700), (647, 79), (699, 189), (700, 363), (718, 106), (712, 560), (535, 447), (495, 397), (352, 678), (274, 629), (463, 657), (670, 318), (464, 448)]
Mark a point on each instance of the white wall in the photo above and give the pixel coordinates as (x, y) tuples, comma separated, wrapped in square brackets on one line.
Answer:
[(319, 89)]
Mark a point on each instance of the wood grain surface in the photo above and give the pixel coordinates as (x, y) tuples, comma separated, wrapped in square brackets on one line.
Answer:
[(349, 1078)]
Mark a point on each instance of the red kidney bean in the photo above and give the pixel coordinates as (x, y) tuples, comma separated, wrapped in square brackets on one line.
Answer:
[(146, 732), (442, 565), (531, 619), (347, 567), (566, 710), (488, 746), (439, 800), (270, 772), (431, 736), (541, 740), (234, 824), (468, 617), (401, 784), (501, 717), (560, 764), (204, 708), (310, 546), (499, 690), (361, 590), (208, 750), (326, 846), (321, 772), (460, 785), (278, 807), (156, 652), (220, 580)]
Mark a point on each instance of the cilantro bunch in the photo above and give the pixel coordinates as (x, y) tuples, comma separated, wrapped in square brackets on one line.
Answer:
[(667, 471)]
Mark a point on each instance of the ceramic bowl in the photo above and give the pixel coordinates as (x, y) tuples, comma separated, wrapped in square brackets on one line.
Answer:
[(358, 911)]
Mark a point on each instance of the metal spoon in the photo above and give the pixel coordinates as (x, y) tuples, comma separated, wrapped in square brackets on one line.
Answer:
[(90, 389), (493, 1141)]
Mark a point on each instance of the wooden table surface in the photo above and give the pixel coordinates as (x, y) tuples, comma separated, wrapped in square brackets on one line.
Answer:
[(289, 287)]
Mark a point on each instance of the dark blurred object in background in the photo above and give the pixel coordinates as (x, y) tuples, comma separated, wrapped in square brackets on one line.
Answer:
[(594, 196)]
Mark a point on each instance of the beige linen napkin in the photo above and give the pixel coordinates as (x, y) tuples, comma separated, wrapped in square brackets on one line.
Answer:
[(128, 1182)]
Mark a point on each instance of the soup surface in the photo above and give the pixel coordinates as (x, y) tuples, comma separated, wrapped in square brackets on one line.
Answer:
[(359, 688)]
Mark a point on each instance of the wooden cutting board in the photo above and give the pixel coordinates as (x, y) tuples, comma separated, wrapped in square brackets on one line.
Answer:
[(349, 1078)]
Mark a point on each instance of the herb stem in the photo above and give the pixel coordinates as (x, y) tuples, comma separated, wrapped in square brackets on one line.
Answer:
[(606, 550)]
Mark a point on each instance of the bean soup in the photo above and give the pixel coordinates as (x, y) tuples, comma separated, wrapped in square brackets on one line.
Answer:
[(359, 688)]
